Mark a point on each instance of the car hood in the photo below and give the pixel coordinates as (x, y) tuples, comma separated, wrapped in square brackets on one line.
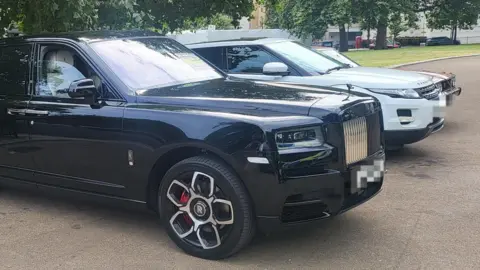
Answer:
[(437, 77), (366, 77), (245, 97)]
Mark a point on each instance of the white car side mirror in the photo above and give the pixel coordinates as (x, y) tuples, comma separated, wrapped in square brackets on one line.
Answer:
[(275, 69)]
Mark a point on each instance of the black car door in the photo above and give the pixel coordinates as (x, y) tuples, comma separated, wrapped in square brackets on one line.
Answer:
[(16, 162), (79, 143)]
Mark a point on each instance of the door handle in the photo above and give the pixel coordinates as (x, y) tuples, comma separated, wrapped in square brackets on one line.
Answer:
[(16, 111), (36, 112)]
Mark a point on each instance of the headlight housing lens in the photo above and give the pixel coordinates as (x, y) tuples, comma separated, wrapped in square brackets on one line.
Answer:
[(400, 93), (439, 86), (302, 139)]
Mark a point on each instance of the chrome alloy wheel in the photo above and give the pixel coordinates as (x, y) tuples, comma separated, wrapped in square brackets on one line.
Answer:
[(202, 215)]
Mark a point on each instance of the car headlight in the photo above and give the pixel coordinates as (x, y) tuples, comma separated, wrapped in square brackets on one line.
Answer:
[(399, 93), (439, 86), (297, 140)]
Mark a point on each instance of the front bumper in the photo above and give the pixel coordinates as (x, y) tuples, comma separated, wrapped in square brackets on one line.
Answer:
[(309, 199), (401, 114), (450, 95), (402, 137)]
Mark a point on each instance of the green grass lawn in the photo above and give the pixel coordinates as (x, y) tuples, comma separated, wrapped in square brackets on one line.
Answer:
[(382, 58)]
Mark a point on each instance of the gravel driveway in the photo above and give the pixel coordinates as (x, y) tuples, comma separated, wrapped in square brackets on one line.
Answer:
[(427, 217)]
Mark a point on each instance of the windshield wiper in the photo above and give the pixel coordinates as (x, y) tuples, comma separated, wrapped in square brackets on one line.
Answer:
[(335, 68)]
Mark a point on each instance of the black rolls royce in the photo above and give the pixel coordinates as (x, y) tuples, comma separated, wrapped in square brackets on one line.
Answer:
[(136, 117)]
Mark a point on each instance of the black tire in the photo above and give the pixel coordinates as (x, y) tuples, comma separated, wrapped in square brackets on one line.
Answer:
[(241, 231)]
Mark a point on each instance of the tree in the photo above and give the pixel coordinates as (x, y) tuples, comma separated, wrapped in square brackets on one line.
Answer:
[(340, 12), (222, 22), (303, 18), (272, 18), (453, 14), (311, 18), (378, 13), (367, 15), (397, 24), (171, 15), (165, 15)]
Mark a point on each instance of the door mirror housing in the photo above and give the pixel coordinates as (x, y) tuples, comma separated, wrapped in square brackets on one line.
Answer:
[(275, 69), (84, 88)]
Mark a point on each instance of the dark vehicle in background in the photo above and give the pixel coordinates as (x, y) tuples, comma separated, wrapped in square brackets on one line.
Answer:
[(435, 41), (139, 118)]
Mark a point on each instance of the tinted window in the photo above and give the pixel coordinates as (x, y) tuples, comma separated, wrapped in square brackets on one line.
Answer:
[(14, 69), (146, 63), (59, 67), (248, 59), (56, 77), (214, 55)]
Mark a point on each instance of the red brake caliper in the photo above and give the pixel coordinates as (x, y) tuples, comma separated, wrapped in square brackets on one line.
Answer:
[(183, 200)]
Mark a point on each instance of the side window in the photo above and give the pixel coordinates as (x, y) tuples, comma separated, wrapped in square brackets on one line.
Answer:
[(248, 59), (58, 67), (14, 69), (214, 55)]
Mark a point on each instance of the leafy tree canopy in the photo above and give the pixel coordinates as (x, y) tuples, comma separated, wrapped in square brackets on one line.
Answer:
[(165, 15), (448, 14)]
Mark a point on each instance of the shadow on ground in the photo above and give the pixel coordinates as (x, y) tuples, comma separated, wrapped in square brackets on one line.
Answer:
[(330, 236), (406, 154), (413, 156)]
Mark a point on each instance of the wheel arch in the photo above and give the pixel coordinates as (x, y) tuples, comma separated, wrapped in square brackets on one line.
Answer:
[(169, 157)]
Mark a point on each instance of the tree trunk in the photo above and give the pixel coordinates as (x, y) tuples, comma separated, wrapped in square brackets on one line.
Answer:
[(381, 35), (343, 39), (368, 36), (455, 34)]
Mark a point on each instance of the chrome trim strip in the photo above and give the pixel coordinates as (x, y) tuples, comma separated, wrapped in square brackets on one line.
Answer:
[(258, 160)]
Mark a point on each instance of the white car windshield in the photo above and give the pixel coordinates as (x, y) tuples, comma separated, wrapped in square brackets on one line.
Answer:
[(339, 57), (311, 61), (146, 63)]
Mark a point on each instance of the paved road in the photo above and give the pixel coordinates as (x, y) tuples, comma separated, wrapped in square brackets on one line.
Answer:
[(427, 217)]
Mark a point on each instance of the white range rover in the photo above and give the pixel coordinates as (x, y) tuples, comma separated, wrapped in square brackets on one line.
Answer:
[(412, 105), (445, 81)]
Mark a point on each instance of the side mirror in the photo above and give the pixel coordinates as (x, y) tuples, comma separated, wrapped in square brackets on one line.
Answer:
[(84, 88), (275, 69)]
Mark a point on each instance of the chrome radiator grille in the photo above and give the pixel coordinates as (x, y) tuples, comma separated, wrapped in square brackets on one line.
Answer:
[(428, 92), (356, 140)]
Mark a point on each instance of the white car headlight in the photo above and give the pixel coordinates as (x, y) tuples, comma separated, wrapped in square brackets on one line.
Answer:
[(439, 86), (400, 93), (297, 140)]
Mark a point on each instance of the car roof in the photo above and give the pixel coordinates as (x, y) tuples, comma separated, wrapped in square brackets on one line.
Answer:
[(84, 36), (237, 42)]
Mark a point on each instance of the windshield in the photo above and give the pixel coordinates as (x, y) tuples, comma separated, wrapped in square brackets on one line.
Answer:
[(338, 57), (311, 61), (146, 63)]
